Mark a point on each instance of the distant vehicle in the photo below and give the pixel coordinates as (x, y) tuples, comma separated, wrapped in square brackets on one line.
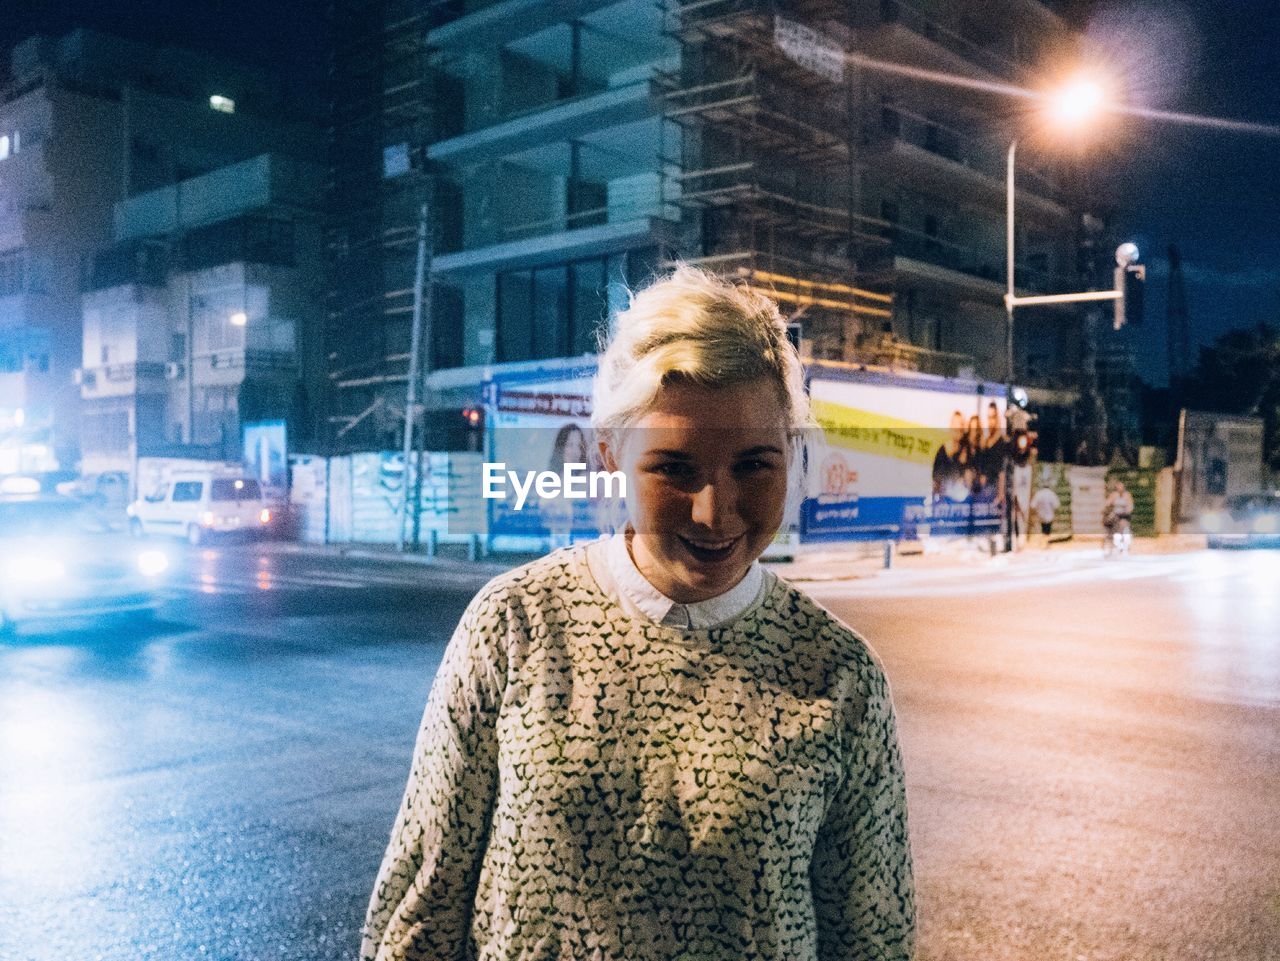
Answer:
[(1245, 520), (59, 560), (197, 503)]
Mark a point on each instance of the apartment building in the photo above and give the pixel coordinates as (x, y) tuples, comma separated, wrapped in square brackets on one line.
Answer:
[(568, 150), (203, 315), (87, 120)]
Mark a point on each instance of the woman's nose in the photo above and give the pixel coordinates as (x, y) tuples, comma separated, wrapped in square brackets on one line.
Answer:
[(714, 505)]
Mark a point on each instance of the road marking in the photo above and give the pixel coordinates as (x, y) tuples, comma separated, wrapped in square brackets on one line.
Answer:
[(264, 580)]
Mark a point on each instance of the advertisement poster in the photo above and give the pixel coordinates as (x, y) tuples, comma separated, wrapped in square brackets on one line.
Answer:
[(903, 457), (539, 421), (266, 454)]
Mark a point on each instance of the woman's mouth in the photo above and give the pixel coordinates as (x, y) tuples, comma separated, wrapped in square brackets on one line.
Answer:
[(708, 551)]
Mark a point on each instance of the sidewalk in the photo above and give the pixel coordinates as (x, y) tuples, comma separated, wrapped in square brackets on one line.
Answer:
[(812, 563), (850, 561)]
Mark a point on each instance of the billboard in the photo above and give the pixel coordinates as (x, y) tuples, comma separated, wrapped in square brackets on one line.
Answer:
[(1218, 455), (898, 456), (540, 420), (902, 456)]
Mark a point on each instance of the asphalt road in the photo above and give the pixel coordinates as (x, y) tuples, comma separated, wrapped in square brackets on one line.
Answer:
[(1093, 757)]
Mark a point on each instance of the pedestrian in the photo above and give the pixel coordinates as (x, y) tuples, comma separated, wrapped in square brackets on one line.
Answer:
[(1117, 511), (648, 747), (1045, 503)]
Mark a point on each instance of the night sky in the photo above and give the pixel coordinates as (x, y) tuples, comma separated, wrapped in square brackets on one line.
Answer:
[(1215, 195)]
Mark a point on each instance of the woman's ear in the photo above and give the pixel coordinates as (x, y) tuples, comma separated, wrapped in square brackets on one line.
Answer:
[(607, 459)]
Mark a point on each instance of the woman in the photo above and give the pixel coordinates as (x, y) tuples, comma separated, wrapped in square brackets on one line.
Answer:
[(648, 747)]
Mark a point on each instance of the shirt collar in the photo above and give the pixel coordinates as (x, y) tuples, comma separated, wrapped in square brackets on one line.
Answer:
[(660, 609)]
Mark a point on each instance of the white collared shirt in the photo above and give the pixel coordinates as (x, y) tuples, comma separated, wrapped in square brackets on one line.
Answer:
[(615, 571)]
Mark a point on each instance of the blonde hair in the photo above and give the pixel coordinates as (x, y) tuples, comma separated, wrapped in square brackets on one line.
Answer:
[(695, 327)]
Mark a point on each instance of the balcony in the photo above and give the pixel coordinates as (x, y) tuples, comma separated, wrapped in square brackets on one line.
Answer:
[(113, 380), (909, 35), (561, 120), (980, 269), (229, 191), (496, 22), (931, 154)]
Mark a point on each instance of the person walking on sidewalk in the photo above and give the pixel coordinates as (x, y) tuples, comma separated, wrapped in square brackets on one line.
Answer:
[(648, 747), (1045, 503)]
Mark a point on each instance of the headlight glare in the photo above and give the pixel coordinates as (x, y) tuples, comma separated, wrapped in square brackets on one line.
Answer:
[(153, 563), (35, 569)]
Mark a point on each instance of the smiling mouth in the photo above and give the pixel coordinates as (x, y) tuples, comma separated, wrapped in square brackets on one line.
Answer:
[(709, 552)]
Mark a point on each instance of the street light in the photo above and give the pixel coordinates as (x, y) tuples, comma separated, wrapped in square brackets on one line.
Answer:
[(1069, 107)]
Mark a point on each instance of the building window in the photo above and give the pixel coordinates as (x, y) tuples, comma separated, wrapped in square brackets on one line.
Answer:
[(564, 310), (211, 319), (589, 299), (447, 327), (12, 272), (550, 312)]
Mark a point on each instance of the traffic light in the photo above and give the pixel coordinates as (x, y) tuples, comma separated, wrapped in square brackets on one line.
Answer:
[(1023, 446), (1131, 280), (473, 427)]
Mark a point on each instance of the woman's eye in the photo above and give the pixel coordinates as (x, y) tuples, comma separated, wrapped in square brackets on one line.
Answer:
[(672, 469), (754, 466)]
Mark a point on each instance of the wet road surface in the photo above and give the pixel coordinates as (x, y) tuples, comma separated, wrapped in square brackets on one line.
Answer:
[(1093, 757)]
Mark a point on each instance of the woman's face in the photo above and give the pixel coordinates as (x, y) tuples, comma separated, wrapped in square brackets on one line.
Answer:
[(706, 485), (575, 448)]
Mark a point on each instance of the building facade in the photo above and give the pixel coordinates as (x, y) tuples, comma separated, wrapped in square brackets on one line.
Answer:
[(203, 315), (566, 151), (87, 120)]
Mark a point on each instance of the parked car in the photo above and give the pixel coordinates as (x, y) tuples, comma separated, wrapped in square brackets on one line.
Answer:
[(197, 504), (1245, 520), (59, 560)]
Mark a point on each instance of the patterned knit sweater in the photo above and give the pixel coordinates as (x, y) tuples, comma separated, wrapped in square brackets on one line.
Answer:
[(591, 787)]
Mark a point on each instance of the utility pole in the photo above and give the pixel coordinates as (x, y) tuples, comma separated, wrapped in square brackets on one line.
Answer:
[(421, 305)]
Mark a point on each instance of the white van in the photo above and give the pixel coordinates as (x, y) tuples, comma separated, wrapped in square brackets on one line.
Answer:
[(198, 503)]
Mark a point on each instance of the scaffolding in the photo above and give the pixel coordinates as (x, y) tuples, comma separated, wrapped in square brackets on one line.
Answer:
[(768, 134), (383, 118)]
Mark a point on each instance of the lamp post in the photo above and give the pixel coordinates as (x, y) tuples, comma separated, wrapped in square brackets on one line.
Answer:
[(1070, 107), (1009, 262)]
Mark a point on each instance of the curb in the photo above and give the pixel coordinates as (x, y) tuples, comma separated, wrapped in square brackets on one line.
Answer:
[(828, 566)]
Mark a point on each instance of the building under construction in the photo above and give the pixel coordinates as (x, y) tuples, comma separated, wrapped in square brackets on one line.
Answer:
[(566, 151)]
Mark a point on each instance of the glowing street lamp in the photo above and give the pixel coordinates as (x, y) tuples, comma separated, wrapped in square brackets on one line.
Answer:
[(1076, 103), (239, 319)]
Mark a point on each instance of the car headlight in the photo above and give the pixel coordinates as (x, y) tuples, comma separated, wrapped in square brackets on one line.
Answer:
[(153, 563), (1267, 524), (35, 569), (1211, 522)]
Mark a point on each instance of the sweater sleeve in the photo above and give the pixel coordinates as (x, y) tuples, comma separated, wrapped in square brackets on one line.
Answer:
[(421, 904), (863, 891)]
